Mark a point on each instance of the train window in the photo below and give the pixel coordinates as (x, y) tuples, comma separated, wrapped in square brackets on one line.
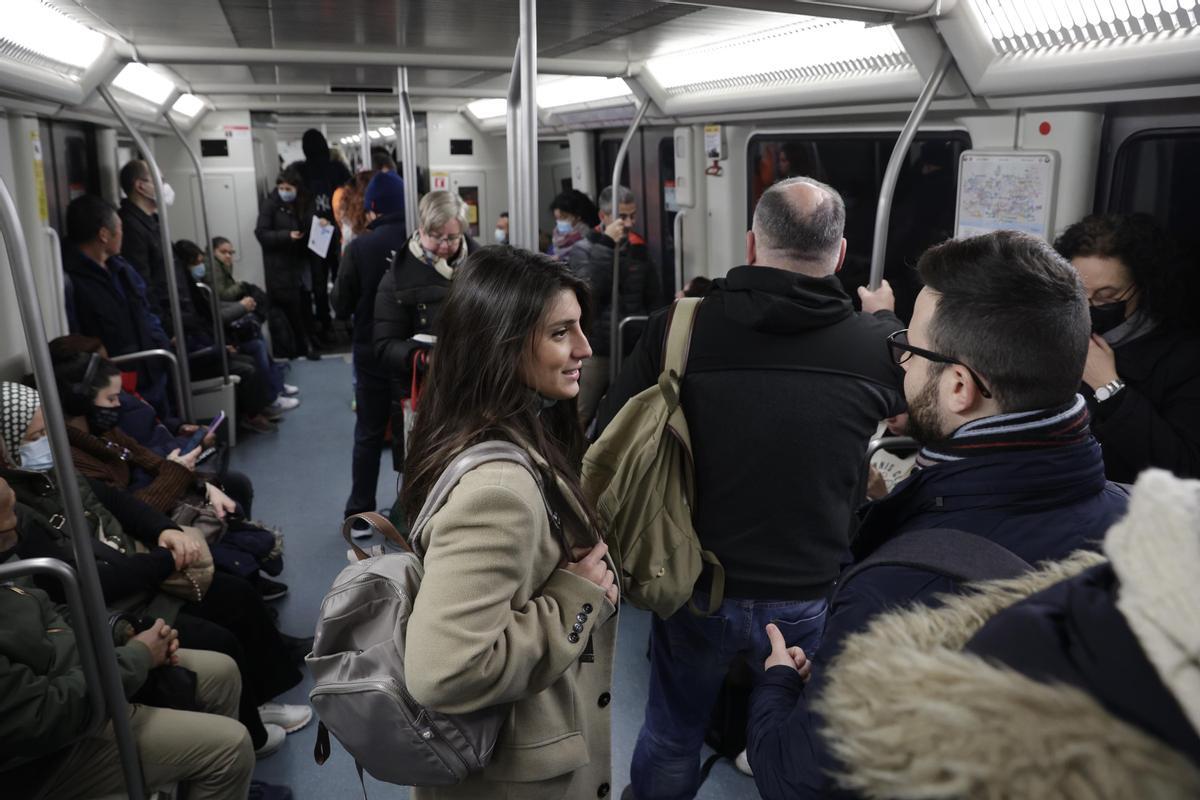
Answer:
[(1153, 173), (854, 163)]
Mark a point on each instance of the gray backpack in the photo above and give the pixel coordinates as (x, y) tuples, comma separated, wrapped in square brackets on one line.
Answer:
[(357, 660)]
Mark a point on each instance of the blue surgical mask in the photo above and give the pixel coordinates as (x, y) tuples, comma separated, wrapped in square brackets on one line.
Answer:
[(36, 455), (563, 226), (198, 272), (287, 196)]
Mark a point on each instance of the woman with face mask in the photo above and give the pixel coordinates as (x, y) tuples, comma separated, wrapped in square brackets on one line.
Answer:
[(573, 214), (282, 234), (1142, 377)]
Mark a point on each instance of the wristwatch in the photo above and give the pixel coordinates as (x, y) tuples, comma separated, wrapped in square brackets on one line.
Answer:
[(1109, 389)]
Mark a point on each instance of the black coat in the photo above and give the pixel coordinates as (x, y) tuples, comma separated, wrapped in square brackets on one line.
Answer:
[(141, 243), (109, 305), (407, 303), (640, 290), (784, 387), (366, 260), (1155, 420), (283, 256)]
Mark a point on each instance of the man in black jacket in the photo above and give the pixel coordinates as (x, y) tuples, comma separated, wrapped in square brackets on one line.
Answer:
[(785, 385), (640, 288), (363, 266), (141, 245), (322, 175)]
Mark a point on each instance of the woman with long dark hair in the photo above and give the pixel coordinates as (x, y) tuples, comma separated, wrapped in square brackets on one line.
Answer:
[(518, 592)]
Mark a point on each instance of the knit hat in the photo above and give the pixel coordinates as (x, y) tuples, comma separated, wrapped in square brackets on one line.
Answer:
[(1155, 551), (18, 404), (384, 194)]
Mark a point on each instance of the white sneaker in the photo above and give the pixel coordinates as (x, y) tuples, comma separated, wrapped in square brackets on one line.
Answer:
[(282, 404), (290, 391), (275, 737), (743, 764), (289, 718)]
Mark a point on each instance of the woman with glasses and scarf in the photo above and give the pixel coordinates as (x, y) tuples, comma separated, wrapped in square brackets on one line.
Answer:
[(412, 292), (1142, 378)]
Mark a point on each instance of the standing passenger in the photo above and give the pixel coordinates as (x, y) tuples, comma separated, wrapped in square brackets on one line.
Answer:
[(321, 174), (281, 234), (363, 266), (784, 387), (1143, 366), (572, 209), (516, 604)]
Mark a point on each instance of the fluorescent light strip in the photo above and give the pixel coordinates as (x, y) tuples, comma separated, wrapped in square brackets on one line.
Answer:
[(490, 108), (140, 80), (188, 105), (1021, 26), (813, 49), (46, 32), (555, 91)]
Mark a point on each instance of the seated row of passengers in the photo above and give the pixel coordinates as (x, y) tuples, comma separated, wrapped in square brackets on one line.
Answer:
[(153, 517), (785, 385)]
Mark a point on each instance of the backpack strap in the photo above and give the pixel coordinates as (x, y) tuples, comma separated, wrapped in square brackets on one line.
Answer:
[(378, 523), (958, 555)]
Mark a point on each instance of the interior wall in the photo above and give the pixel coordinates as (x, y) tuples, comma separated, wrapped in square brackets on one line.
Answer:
[(13, 353), (554, 165), (489, 158)]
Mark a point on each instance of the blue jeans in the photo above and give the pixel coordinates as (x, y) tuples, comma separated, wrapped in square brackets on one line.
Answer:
[(271, 372), (689, 657)]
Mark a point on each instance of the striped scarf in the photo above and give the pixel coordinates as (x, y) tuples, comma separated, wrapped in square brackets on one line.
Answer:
[(1006, 433)]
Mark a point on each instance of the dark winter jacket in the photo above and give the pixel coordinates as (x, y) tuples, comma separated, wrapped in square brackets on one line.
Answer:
[(107, 304), (322, 176), (363, 266), (1040, 505), (407, 303), (1155, 420), (785, 385), (640, 288), (141, 244), (283, 257)]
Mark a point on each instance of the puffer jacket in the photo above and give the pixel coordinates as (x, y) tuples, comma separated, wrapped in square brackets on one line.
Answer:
[(640, 289), (283, 256)]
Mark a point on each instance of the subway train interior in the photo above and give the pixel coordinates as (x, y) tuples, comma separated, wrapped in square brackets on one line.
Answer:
[(222, 128)]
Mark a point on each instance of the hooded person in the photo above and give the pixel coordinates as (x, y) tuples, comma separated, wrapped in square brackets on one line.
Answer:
[(322, 175), (1078, 680)]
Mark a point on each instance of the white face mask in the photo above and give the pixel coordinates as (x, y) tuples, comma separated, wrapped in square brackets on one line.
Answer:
[(501, 236), (168, 194), (36, 455)]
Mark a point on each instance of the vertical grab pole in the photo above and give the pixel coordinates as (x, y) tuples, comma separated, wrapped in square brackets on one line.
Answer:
[(408, 149), (185, 372), (614, 337), (512, 139), (364, 148), (891, 175), (211, 275), (678, 226), (527, 118), (95, 624)]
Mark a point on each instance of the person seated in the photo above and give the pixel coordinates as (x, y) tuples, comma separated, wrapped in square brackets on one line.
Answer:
[(1076, 680), (45, 706), (1142, 379), (575, 216), (992, 361), (231, 290), (242, 330)]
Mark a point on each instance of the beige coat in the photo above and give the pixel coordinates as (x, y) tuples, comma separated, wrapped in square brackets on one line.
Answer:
[(494, 623)]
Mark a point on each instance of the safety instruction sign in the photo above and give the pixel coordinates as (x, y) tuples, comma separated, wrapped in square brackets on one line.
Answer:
[(39, 177), (439, 181)]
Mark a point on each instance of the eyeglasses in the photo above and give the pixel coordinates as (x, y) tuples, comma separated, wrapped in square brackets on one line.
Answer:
[(902, 351), (455, 239)]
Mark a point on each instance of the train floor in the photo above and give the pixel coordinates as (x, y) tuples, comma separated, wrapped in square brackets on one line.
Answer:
[(301, 480)]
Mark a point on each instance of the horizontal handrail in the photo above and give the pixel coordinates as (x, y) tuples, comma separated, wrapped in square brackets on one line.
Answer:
[(892, 443), (172, 365)]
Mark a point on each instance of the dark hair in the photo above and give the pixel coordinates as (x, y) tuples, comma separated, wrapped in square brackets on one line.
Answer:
[(86, 215), (186, 251), (475, 391), (816, 236), (503, 215), (1165, 285), (382, 159), (133, 171), (69, 346), (697, 286), (290, 175), (76, 388), (217, 241), (1014, 311), (575, 202)]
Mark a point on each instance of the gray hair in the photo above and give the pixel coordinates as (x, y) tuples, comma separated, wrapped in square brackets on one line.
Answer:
[(814, 238), (624, 197), (436, 209)]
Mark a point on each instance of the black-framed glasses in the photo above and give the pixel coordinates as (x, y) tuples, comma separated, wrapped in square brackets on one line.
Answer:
[(902, 351)]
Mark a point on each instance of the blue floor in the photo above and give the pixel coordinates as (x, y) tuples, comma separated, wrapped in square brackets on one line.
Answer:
[(301, 480)]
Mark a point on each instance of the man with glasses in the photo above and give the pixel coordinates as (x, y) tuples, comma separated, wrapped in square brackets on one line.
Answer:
[(992, 363)]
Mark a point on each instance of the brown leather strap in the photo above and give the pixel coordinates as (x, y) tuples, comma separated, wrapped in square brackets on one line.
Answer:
[(377, 523), (321, 749)]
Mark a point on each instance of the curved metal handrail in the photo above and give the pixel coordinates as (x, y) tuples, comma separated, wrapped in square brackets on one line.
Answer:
[(643, 107), (172, 365), (619, 355), (892, 443)]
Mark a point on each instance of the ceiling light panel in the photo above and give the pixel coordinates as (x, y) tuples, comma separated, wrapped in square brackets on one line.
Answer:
[(1023, 26), (815, 48), (188, 105), (554, 91), (35, 31), (490, 108), (140, 80)]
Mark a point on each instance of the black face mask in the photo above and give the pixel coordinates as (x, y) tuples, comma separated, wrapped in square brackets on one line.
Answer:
[(102, 420), (1107, 316)]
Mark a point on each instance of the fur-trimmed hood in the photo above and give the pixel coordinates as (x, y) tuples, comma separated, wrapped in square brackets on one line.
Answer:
[(913, 716)]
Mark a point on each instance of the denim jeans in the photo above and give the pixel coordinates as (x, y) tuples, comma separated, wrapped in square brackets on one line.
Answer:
[(689, 657), (272, 372)]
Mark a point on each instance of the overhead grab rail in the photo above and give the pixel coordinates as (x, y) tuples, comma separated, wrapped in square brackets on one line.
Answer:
[(364, 132), (210, 275), (168, 257), (678, 233), (614, 334), (407, 139), (891, 175), (522, 135), (93, 624)]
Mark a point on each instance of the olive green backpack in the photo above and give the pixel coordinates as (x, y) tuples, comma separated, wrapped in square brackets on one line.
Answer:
[(640, 478)]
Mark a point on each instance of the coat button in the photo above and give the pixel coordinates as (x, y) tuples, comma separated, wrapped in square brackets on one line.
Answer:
[(587, 608), (573, 637), (604, 700), (581, 617), (603, 790), (577, 627)]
